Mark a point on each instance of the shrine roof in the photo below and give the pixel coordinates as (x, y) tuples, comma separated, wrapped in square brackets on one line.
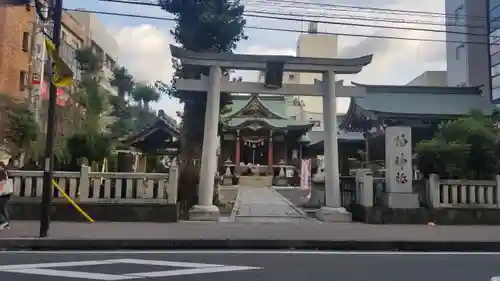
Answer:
[(274, 123), (269, 110), (162, 122), (422, 100), (276, 105), (319, 136)]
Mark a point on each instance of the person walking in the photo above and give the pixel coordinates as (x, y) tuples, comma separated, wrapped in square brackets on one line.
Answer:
[(6, 191)]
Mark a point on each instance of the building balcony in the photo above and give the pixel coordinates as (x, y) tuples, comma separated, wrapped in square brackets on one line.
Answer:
[(107, 72)]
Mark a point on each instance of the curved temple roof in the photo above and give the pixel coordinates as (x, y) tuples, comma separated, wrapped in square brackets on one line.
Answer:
[(257, 103), (422, 100), (161, 122), (418, 101), (268, 111)]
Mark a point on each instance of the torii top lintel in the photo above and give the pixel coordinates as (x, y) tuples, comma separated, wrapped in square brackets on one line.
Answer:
[(258, 62)]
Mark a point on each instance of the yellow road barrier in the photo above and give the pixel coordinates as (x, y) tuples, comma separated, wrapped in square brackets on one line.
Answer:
[(73, 202)]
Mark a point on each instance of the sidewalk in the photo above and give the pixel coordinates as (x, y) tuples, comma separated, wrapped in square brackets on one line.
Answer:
[(207, 235), (264, 205)]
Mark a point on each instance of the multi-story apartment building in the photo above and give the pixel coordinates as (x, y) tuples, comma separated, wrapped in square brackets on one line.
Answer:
[(73, 37), (315, 45), (494, 47), (430, 78), (467, 45), (102, 44), (16, 28)]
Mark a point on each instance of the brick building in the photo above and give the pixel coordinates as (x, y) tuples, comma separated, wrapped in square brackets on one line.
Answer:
[(16, 27)]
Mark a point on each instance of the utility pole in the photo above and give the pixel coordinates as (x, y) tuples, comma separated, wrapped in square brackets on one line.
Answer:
[(56, 8)]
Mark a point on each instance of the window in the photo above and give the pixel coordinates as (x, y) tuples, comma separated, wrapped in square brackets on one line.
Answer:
[(26, 42), (291, 76), (75, 44), (316, 123), (495, 70), (457, 18), (495, 47), (23, 80), (459, 52), (494, 35), (495, 82), (495, 95), (494, 10)]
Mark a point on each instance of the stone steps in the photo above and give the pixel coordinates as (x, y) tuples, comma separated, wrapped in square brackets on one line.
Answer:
[(256, 181)]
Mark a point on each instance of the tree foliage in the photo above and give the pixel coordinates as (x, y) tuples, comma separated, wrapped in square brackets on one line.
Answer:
[(93, 141), (201, 26), (468, 147), (18, 128), (144, 95), (90, 124)]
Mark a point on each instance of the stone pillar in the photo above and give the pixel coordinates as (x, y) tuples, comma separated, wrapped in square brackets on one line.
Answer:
[(300, 151), (399, 169), (364, 187), (205, 210), (270, 154), (285, 148), (238, 150), (332, 211)]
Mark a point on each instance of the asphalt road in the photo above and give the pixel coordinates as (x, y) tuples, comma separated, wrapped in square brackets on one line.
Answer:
[(247, 266)]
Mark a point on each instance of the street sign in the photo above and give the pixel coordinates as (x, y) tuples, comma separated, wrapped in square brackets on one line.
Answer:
[(35, 80), (62, 76), (56, 269)]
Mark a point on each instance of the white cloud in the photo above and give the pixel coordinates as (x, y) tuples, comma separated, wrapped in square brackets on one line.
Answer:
[(144, 51), (144, 48), (395, 61)]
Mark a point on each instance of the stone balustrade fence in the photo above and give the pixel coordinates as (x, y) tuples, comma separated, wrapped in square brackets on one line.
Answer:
[(440, 193), (86, 185), (446, 193)]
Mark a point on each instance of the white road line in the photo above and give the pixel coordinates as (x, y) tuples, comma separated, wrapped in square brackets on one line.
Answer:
[(54, 264), (211, 252), (192, 271), (167, 263), (72, 274)]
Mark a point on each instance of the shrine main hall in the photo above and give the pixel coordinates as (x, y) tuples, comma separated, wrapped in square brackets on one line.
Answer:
[(262, 131)]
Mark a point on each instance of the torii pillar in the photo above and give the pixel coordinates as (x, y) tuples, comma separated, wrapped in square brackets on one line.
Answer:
[(205, 209), (214, 84)]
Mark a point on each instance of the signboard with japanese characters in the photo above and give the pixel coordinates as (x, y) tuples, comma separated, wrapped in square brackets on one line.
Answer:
[(398, 159)]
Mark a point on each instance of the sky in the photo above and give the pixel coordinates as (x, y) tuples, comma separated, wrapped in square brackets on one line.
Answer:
[(144, 43)]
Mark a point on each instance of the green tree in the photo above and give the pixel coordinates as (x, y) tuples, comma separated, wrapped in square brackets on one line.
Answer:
[(466, 147), (93, 142), (144, 95), (201, 26), (123, 81), (18, 128)]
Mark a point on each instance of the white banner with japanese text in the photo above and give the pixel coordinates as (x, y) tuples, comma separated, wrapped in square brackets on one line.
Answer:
[(305, 174)]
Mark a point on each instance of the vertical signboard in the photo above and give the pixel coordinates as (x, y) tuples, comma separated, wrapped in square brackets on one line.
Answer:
[(398, 159)]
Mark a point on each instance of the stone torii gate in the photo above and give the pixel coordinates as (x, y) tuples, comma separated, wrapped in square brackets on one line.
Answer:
[(215, 83)]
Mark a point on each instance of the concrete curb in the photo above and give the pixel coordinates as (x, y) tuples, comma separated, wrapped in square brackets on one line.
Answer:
[(293, 206), (250, 244), (236, 207)]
